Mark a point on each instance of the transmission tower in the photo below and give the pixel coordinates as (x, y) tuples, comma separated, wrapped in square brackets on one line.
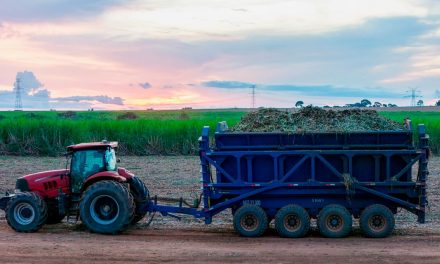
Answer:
[(413, 94), (18, 91), (253, 96)]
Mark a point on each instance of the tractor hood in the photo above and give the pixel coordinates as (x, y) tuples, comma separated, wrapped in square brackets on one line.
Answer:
[(40, 176), (46, 183)]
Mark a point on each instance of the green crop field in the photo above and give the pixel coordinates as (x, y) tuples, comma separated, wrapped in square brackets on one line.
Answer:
[(139, 132), (430, 119)]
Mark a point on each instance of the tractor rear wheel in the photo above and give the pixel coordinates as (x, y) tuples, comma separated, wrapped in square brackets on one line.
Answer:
[(250, 221), (106, 207), (26, 212), (141, 195), (334, 221)]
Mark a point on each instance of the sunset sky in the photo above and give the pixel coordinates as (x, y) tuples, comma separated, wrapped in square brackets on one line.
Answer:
[(111, 54)]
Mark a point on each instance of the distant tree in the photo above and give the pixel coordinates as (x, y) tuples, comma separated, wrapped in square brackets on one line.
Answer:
[(437, 103), (384, 105), (392, 105), (326, 106), (365, 102), (420, 103), (377, 104), (299, 104)]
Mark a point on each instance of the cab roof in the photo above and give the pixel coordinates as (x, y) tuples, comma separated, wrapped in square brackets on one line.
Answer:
[(93, 145)]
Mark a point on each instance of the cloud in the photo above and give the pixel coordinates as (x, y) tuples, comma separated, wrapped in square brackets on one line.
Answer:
[(145, 85), (227, 84), (35, 96), (28, 81), (348, 58), (49, 10), (332, 91), (100, 98), (192, 20), (310, 90)]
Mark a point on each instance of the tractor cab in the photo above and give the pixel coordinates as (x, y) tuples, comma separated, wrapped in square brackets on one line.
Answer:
[(88, 159)]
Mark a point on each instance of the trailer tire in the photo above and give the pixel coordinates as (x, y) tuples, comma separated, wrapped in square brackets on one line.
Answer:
[(106, 207), (292, 221), (377, 221), (26, 212), (334, 221), (141, 195), (250, 221)]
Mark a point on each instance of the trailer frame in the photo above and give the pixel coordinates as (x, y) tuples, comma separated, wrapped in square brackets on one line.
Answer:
[(388, 192)]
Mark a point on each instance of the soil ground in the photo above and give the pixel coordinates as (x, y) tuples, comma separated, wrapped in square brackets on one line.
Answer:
[(190, 241)]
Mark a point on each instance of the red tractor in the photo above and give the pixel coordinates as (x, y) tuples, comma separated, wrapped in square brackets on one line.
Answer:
[(92, 187)]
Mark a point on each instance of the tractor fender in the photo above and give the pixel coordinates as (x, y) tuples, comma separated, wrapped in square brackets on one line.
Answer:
[(105, 175), (125, 173)]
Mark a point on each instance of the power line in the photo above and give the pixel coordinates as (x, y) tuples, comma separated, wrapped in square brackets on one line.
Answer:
[(253, 96), (18, 91), (413, 94)]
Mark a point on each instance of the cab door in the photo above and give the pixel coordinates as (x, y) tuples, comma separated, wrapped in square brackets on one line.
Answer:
[(84, 164)]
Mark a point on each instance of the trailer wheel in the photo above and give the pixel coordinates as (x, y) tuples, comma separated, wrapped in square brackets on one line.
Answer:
[(106, 207), (292, 221), (377, 221), (250, 221), (334, 221), (26, 212)]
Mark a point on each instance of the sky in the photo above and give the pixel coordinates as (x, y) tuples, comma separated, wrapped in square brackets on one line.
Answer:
[(166, 54)]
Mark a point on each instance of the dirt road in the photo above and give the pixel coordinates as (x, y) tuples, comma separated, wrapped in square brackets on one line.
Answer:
[(190, 241), (59, 244)]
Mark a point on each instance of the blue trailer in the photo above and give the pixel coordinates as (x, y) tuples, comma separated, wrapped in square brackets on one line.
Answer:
[(292, 178)]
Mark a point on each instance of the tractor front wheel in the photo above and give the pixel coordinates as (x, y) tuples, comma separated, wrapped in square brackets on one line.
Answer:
[(26, 212), (106, 207)]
